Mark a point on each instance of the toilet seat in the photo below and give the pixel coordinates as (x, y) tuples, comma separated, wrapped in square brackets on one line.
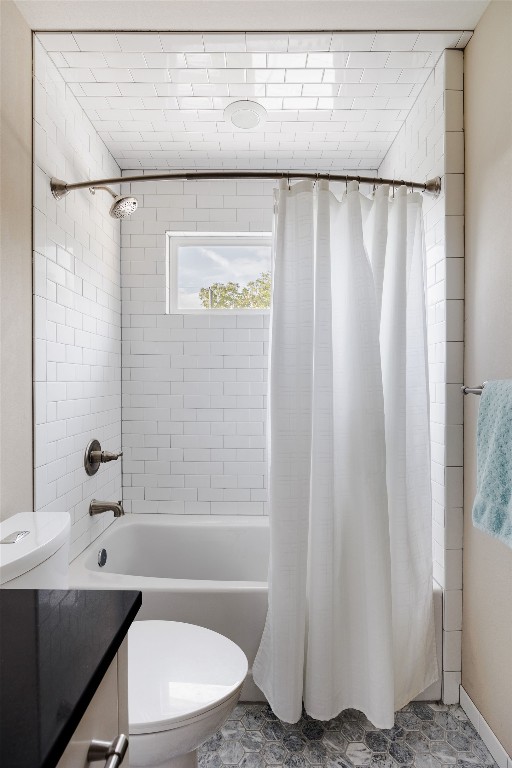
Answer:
[(178, 673)]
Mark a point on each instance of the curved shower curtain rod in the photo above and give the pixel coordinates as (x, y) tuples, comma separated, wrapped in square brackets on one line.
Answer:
[(61, 188)]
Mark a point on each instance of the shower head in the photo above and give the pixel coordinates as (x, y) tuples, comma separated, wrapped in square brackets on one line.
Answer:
[(123, 205)]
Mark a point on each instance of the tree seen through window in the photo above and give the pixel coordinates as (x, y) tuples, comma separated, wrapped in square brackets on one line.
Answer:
[(255, 295)]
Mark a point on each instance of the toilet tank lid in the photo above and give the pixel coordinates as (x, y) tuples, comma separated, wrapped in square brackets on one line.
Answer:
[(47, 533)]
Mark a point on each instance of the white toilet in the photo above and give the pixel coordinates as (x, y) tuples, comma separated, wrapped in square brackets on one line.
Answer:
[(183, 680), (34, 550), (183, 683)]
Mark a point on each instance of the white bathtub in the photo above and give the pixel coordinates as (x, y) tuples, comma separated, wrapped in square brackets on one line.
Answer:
[(205, 570)]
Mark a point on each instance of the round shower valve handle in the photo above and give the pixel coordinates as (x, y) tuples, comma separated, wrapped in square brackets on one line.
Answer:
[(94, 456), (104, 456)]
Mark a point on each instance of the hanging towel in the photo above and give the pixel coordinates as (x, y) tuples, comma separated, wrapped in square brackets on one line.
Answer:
[(492, 509)]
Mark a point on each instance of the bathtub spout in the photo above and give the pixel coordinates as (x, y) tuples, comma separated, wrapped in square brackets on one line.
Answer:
[(96, 507)]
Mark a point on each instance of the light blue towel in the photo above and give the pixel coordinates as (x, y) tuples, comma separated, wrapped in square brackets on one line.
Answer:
[(492, 509)]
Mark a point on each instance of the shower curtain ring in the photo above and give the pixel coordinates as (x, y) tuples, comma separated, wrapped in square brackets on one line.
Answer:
[(346, 184)]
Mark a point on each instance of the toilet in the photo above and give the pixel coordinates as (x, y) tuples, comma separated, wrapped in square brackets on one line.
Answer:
[(183, 680), (34, 550), (183, 683)]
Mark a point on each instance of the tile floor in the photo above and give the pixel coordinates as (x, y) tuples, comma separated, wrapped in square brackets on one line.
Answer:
[(424, 736)]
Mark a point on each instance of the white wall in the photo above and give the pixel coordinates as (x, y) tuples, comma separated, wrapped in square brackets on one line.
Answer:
[(77, 311), (193, 385), (431, 143)]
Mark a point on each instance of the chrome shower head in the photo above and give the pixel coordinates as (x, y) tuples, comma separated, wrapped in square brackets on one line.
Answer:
[(123, 205)]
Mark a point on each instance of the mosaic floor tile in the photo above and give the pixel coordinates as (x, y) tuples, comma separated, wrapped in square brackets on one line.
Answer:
[(424, 736)]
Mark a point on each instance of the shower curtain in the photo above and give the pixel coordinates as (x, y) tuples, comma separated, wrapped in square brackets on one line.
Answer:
[(350, 616)]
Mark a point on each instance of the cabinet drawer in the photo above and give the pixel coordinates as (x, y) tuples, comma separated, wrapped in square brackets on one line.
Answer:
[(105, 717)]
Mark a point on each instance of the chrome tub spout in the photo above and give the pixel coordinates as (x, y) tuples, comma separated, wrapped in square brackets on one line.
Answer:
[(96, 507)]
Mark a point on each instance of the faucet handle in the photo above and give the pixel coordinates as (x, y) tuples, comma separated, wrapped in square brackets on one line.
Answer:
[(94, 456), (109, 456)]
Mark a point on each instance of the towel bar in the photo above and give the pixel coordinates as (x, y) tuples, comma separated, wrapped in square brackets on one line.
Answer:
[(472, 390)]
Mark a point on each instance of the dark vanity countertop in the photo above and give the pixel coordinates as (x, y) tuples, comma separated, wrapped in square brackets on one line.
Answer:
[(55, 647)]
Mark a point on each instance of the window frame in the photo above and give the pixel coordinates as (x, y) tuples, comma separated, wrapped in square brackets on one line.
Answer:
[(176, 239)]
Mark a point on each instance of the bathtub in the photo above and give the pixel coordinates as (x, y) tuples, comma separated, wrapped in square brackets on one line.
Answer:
[(200, 569)]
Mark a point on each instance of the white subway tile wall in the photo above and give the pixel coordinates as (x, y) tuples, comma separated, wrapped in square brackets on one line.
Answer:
[(431, 143), (157, 100), (194, 386), (77, 311)]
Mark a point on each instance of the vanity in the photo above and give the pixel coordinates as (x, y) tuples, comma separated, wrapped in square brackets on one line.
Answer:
[(63, 675)]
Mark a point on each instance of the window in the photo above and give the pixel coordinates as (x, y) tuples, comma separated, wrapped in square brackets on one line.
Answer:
[(224, 272)]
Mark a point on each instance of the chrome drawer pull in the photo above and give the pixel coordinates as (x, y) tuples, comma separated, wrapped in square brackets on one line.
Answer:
[(112, 752)]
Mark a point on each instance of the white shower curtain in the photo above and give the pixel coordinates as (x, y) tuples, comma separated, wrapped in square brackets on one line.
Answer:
[(350, 616)]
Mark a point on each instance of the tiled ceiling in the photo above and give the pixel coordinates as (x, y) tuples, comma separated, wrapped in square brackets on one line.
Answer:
[(334, 100)]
